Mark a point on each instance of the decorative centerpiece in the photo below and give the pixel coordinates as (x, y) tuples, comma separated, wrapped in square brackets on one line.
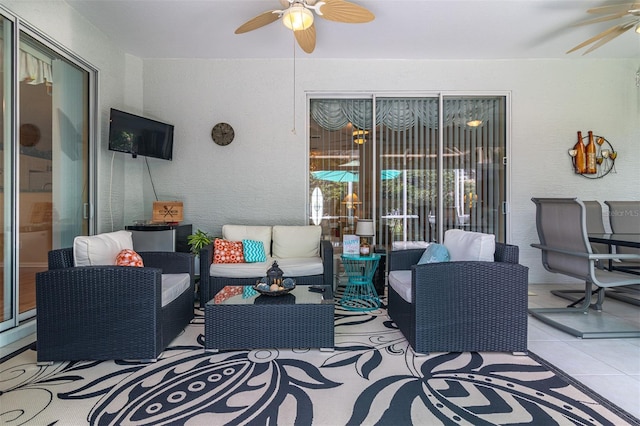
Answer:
[(274, 284)]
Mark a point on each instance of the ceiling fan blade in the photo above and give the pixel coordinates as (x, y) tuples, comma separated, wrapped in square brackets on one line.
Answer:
[(619, 30), (605, 34), (614, 8), (344, 11), (259, 21), (600, 19), (306, 38)]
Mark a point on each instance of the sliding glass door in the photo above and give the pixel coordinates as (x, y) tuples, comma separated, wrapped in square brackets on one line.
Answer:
[(45, 162), (416, 165)]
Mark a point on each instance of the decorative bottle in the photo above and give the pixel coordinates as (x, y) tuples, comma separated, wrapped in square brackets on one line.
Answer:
[(581, 155), (591, 155)]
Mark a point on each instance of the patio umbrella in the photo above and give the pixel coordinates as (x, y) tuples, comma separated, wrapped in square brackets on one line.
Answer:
[(346, 176), (335, 175)]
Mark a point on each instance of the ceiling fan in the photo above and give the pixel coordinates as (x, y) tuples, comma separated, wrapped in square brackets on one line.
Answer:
[(611, 12), (297, 15)]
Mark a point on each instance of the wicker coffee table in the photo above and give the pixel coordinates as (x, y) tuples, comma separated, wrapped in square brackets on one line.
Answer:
[(300, 319)]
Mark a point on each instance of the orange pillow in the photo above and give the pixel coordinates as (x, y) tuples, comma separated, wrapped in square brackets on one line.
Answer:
[(225, 251), (128, 257)]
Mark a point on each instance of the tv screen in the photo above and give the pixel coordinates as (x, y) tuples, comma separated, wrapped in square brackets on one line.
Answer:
[(139, 135)]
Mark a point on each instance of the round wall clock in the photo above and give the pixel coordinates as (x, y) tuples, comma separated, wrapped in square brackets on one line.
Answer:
[(222, 134)]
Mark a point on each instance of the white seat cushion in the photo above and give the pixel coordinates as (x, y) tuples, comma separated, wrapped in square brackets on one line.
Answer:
[(101, 249), (244, 232), (301, 266), (296, 241), (240, 270), (291, 267), (400, 281), (466, 245), (173, 285)]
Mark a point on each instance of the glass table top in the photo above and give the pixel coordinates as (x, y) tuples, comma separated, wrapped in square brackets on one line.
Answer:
[(246, 295)]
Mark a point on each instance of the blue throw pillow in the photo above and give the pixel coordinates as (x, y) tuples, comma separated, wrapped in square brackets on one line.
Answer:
[(434, 253), (253, 251)]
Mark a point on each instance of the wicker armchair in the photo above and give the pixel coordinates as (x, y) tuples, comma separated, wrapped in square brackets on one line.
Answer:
[(465, 306), (109, 312)]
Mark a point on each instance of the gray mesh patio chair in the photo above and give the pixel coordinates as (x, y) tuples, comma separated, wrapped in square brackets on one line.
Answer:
[(595, 225), (561, 226), (624, 218)]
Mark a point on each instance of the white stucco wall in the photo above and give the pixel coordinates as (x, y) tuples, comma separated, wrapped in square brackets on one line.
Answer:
[(261, 176)]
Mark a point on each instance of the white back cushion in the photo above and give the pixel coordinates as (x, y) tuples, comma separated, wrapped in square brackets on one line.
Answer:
[(100, 249), (466, 245), (296, 241), (244, 232)]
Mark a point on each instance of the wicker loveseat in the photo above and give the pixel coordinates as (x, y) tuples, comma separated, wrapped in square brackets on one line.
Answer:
[(461, 306), (112, 312), (299, 251)]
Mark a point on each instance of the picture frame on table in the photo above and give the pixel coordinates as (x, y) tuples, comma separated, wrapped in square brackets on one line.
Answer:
[(350, 244)]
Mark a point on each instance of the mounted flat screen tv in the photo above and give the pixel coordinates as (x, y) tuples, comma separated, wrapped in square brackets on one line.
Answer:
[(139, 135)]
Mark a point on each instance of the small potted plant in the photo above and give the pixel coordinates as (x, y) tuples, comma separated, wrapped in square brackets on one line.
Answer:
[(196, 242)]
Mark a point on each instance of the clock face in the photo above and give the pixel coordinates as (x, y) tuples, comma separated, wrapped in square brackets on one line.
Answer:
[(222, 134)]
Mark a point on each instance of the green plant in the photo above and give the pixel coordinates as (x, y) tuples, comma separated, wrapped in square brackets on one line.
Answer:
[(198, 240)]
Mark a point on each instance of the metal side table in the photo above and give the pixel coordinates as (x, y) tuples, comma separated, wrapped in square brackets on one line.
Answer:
[(360, 294)]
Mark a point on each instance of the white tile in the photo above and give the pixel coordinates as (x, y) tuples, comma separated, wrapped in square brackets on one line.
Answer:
[(622, 390)]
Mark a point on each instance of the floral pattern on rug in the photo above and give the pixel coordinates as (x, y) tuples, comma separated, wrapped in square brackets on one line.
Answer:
[(372, 377)]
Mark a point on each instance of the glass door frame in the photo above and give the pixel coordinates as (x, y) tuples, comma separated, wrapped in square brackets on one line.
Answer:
[(21, 324), (441, 96)]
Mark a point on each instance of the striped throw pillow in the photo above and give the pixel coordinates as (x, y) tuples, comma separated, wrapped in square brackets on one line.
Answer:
[(253, 251)]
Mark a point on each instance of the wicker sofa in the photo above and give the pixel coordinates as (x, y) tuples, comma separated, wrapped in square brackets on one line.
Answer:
[(108, 312), (461, 306), (299, 251)]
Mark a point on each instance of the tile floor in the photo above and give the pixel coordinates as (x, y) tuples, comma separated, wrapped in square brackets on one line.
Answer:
[(610, 367)]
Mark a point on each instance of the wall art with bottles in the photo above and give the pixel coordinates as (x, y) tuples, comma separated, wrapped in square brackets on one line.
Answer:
[(592, 156)]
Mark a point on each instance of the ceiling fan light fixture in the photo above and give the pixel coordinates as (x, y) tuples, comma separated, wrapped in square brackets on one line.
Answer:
[(297, 18)]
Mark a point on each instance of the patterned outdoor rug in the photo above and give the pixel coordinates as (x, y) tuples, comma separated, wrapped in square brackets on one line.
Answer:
[(371, 378)]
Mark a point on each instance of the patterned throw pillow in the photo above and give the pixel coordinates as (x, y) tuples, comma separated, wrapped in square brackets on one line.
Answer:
[(128, 257), (253, 251), (225, 251), (434, 253)]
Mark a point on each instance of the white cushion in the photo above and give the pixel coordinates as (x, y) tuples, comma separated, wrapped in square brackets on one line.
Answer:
[(296, 241), (466, 245), (100, 249), (240, 270), (301, 266), (291, 267), (400, 281), (244, 232), (173, 285)]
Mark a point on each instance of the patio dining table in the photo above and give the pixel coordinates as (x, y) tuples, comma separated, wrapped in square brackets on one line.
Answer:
[(627, 240)]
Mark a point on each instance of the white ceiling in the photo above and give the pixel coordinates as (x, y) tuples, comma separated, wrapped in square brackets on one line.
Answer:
[(403, 29)]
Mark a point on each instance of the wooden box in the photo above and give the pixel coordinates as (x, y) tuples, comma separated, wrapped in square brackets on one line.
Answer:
[(167, 212)]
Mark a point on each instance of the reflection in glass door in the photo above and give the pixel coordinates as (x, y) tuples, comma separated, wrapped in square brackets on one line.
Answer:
[(47, 158), (418, 165)]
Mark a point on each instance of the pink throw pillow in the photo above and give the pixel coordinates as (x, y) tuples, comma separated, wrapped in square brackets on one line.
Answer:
[(225, 251), (128, 257)]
